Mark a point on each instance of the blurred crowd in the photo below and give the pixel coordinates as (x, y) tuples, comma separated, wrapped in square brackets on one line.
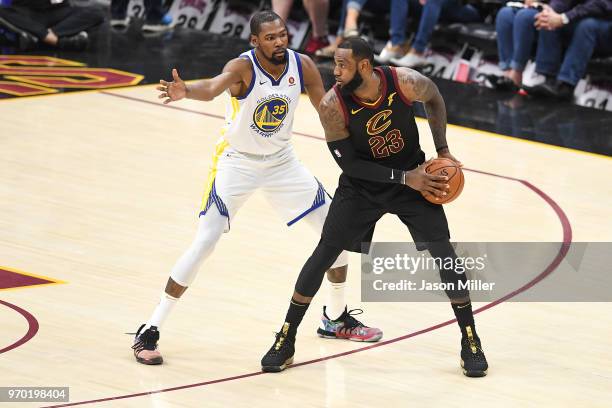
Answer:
[(561, 37)]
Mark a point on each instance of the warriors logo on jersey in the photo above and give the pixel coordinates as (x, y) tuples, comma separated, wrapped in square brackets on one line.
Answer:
[(269, 115)]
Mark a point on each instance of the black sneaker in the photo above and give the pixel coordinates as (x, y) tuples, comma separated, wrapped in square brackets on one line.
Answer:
[(145, 346), (501, 83), (77, 42), (473, 360), (281, 353)]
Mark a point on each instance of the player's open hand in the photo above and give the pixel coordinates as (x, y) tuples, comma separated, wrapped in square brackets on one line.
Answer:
[(446, 154), (172, 91), (419, 180)]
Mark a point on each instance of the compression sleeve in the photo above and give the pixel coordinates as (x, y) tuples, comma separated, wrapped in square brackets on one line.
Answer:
[(344, 154)]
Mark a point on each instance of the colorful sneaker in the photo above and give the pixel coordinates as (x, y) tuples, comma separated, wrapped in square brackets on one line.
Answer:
[(348, 328), (473, 360), (281, 353), (315, 43), (145, 346)]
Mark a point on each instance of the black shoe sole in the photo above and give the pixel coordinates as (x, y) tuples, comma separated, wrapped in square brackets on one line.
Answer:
[(473, 373), (155, 361), (277, 369)]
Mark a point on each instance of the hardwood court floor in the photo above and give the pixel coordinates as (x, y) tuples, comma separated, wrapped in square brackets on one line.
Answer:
[(102, 192)]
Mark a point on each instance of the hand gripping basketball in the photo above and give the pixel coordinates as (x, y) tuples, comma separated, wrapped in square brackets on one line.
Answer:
[(172, 91), (448, 168)]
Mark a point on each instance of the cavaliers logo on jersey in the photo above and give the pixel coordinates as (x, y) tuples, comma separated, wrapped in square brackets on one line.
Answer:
[(270, 114)]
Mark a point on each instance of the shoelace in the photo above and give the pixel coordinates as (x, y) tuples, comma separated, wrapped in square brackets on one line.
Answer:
[(280, 339), (146, 341), (350, 323), (475, 349), (278, 343)]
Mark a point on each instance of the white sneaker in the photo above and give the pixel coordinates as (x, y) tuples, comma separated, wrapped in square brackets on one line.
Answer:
[(390, 52), (410, 60), (120, 23), (157, 28)]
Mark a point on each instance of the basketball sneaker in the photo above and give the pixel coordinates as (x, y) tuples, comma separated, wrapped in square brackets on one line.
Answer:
[(315, 43), (347, 327), (145, 346), (473, 360), (281, 353)]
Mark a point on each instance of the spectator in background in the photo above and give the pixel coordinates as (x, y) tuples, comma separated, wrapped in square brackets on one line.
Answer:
[(587, 24), (431, 12), (349, 18), (155, 21), (515, 39), (54, 22), (397, 46), (317, 13)]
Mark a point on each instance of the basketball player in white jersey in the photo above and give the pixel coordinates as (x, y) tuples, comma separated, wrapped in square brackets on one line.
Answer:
[(254, 152)]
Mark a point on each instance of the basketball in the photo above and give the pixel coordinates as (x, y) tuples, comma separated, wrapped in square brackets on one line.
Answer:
[(448, 168)]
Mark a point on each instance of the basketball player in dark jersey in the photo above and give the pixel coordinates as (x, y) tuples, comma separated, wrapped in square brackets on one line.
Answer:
[(371, 132)]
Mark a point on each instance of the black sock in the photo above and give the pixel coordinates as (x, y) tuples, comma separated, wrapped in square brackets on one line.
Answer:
[(465, 318), (295, 314)]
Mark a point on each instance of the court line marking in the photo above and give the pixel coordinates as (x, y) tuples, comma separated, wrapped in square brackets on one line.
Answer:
[(482, 132), (52, 281), (32, 326), (565, 245)]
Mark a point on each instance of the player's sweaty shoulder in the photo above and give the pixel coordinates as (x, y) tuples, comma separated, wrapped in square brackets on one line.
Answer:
[(332, 117)]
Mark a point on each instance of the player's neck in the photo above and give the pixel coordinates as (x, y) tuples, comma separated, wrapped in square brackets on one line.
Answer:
[(370, 89), (272, 69)]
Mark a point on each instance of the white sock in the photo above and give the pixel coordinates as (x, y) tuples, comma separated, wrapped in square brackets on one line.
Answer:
[(162, 310), (335, 300)]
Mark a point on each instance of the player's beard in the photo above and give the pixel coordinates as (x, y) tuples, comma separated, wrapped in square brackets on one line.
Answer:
[(350, 87), (274, 59)]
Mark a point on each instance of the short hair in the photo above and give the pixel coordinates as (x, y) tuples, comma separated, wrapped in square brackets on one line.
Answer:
[(265, 16), (361, 48)]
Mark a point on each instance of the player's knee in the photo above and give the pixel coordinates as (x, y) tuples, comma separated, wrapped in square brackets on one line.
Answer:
[(338, 274), (312, 273), (202, 247)]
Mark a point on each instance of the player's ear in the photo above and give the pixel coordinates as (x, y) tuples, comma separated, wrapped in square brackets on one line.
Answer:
[(364, 65), (254, 40)]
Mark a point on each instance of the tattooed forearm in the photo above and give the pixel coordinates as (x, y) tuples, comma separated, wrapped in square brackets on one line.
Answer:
[(332, 117), (436, 116), (420, 88)]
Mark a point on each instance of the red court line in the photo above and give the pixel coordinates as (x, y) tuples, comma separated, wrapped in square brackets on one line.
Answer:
[(211, 115), (567, 239), (32, 326)]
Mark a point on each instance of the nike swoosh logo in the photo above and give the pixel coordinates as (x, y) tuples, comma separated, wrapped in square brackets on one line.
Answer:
[(261, 83), (354, 111)]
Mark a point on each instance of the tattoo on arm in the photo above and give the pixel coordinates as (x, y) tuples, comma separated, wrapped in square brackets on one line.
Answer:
[(420, 88), (332, 117)]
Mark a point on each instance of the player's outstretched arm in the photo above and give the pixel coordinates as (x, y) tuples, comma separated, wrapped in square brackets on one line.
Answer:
[(418, 87), (207, 89), (341, 147), (312, 80)]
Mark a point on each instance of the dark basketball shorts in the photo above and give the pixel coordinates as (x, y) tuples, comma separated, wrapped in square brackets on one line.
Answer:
[(355, 209)]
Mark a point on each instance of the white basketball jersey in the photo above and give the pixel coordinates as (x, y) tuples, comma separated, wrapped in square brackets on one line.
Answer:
[(260, 122)]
